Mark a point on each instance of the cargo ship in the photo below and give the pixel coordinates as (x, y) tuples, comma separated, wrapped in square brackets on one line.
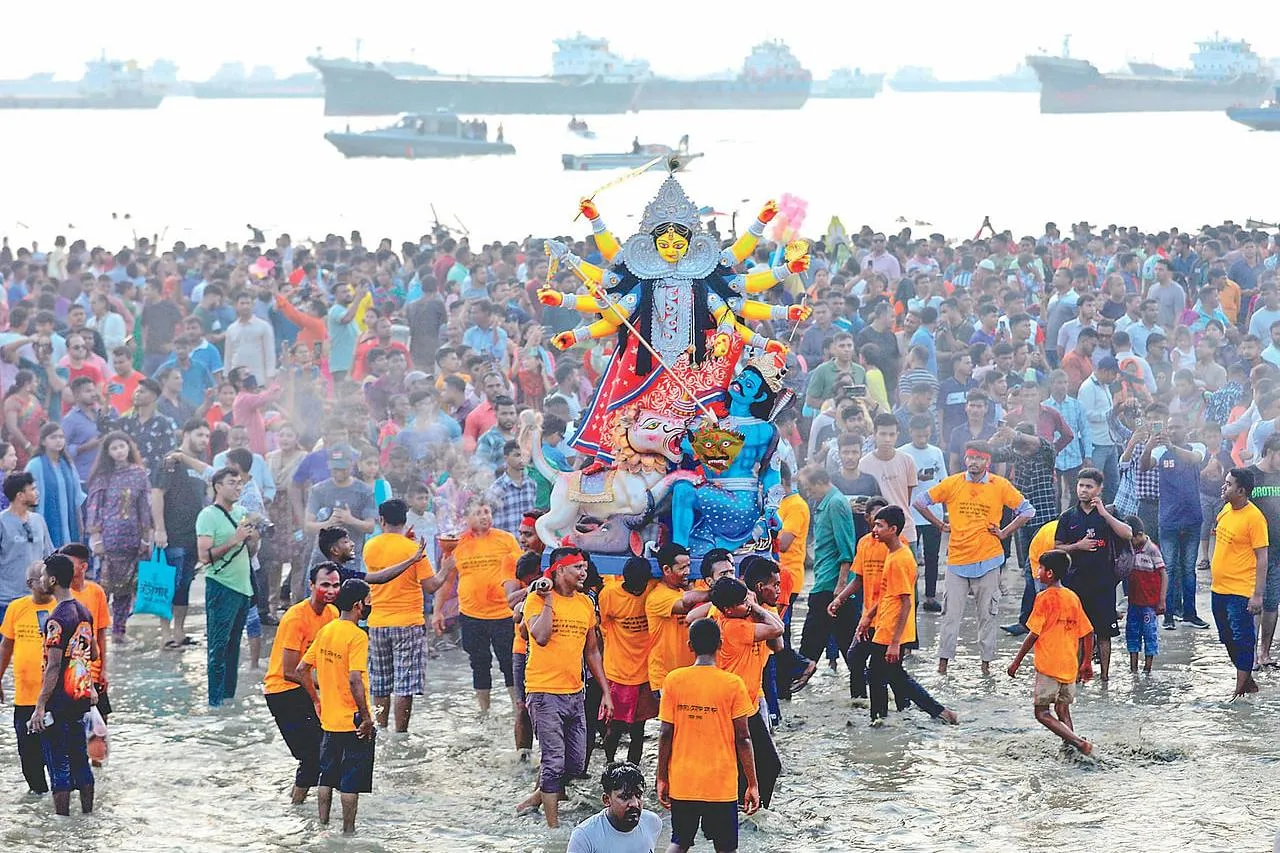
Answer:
[(231, 82), (1223, 73), (848, 83), (771, 79), (916, 79), (586, 79), (107, 84)]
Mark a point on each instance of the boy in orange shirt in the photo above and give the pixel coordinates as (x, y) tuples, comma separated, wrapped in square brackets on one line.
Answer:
[(339, 656), (889, 623), (704, 714), (862, 588), (1055, 628), (22, 643), (747, 630)]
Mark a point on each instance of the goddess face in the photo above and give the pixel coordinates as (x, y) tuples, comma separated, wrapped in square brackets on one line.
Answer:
[(671, 245)]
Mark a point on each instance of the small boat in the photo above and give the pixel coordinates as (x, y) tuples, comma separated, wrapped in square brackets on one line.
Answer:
[(440, 134), (1265, 117), (674, 159), (580, 128)]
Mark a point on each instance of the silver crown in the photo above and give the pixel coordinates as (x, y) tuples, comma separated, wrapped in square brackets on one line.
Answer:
[(670, 205)]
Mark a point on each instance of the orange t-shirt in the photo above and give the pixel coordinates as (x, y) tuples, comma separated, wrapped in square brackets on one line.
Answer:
[(741, 654), (626, 634), (1059, 622), (94, 599), (484, 564), (1040, 543), (297, 631), (340, 649), (868, 564), (668, 633), (557, 666), (701, 703), (971, 507), (24, 626), (120, 391), (899, 579), (397, 603), (793, 511)]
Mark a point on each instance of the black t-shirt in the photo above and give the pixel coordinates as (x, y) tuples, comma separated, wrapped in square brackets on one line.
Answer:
[(1089, 569), (70, 629), (184, 491), (160, 320), (1266, 497)]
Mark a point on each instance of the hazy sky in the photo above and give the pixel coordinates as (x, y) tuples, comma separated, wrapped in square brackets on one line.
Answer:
[(684, 38)]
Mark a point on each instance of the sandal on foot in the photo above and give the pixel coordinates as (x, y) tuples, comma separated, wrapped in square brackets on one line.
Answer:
[(803, 679)]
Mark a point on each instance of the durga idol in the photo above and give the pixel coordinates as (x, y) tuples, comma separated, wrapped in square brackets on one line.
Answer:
[(678, 290)]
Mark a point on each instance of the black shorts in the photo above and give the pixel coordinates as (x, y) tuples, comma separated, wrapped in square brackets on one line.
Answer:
[(1099, 604), (719, 823), (346, 762)]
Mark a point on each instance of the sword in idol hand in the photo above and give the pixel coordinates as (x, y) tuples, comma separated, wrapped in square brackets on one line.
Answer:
[(623, 178)]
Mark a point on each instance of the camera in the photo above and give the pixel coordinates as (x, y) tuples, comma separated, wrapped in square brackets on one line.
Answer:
[(540, 585)]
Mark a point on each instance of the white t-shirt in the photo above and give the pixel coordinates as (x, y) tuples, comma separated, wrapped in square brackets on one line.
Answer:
[(597, 835), (897, 477), (931, 469)]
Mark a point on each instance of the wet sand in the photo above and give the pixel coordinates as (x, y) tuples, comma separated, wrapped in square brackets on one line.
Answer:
[(1179, 767)]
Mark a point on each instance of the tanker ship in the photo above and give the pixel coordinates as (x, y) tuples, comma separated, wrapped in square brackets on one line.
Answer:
[(586, 79), (1223, 73), (771, 79)]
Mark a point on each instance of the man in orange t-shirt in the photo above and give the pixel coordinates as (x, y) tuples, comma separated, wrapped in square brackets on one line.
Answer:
[(397, 627), (485, 559), (561, 621), (704, 739), (296, 716), (793, 545), (626, 657), (975, 501), (665, 609), (892, 620), (22, 642), (746, 630)]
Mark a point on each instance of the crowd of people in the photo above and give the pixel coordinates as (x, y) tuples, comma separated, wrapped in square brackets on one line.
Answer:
[(338, 438)]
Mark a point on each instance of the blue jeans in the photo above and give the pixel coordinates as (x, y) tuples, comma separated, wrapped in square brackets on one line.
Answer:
[(1235, 629), (66, 756), (1179, 545), (1140, 629), (225, 612), (1106, 458)]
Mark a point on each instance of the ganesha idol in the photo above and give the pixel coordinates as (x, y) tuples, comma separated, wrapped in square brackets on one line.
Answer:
[(671, 284)]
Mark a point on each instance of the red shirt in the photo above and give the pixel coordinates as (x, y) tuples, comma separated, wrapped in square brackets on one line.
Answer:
[(87, 369), (1144, 580)]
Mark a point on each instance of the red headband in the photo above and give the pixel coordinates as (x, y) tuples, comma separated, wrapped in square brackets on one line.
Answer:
[(979, 453), (566, 560)]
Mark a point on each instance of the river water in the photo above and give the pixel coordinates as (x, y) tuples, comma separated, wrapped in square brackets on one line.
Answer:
[(200, 170), (1179, 767)]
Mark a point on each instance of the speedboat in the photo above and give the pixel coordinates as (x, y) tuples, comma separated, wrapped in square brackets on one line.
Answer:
[(440, 134), (1265, 117)]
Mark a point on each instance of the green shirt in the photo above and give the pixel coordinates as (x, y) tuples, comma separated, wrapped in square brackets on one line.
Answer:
[(832, 540), (822, 381), (230, 571)]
